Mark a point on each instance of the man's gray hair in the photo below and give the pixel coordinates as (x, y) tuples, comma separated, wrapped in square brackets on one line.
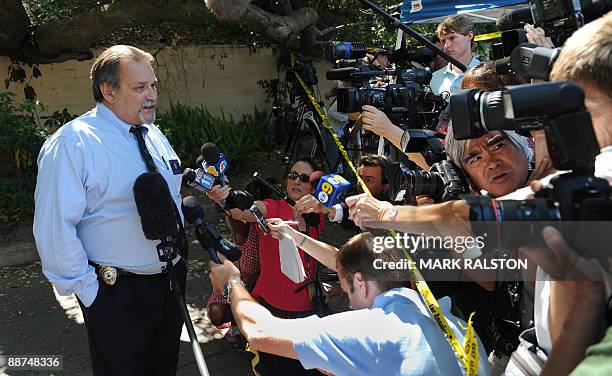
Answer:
[(456, 149), (107, 65)]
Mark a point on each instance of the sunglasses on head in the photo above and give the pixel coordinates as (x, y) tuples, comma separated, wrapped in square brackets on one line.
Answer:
[(294, 175)]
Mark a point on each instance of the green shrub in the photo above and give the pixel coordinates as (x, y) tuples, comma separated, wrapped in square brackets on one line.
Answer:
[(22, 132), (16, 198), (187, 128)]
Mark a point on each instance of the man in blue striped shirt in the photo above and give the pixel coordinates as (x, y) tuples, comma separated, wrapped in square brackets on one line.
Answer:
[(87, 228)]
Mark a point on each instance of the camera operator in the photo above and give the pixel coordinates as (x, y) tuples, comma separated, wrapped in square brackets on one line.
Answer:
[(499, 162), (399, 337), (456, 33)]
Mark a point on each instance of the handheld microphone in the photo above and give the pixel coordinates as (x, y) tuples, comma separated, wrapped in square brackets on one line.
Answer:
[(155, 207), (331, 189), (214, 161), (189, 176), (208, 236), (198, 179)]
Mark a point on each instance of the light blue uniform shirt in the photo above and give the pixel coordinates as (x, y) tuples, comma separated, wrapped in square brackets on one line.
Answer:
[(85, 207), (444, 79), (396, 336)]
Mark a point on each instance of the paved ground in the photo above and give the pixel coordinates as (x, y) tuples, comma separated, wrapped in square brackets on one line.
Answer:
[(35, 320)]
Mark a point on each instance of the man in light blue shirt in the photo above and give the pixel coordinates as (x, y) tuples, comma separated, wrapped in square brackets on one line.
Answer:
[(86, 224), (456, 34), (389, 331)]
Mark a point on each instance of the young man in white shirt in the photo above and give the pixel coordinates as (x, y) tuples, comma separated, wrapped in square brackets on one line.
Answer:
[(456, 33)]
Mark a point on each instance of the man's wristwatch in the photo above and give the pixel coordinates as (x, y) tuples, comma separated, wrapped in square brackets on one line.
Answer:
[(227, 290)]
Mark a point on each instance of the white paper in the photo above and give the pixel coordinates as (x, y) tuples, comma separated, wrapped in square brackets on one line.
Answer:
[(291, 263)]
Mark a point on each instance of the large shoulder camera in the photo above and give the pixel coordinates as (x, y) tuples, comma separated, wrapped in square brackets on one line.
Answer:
[(407, 103)]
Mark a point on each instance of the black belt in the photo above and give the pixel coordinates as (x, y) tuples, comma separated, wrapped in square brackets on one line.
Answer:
[(109, 274)]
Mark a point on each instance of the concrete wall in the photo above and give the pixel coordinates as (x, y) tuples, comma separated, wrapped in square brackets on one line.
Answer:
[(221, 77)]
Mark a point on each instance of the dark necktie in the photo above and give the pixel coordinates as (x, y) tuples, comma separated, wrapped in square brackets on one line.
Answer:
[(144, 152), (146, 156)]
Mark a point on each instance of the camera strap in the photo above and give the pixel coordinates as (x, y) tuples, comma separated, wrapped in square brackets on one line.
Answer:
[(468, 353)]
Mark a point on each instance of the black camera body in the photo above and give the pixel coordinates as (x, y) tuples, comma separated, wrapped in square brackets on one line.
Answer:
[(407, 102), (443, 182), (556, 107)]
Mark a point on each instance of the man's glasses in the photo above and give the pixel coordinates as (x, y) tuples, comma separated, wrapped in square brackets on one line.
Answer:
[(294, 175)]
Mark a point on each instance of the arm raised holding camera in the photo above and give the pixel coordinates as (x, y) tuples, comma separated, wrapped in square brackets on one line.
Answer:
[(376, 121)]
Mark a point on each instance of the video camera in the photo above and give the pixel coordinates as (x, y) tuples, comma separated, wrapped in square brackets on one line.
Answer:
[(557, 108), (407, 103), (559, 19)]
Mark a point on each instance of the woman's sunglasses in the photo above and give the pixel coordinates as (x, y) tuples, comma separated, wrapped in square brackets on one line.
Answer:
[(294, 175)]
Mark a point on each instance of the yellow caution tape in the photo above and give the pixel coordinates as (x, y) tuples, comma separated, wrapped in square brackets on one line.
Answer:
[(468, 359), (470, 345), (255, 360), (481, 37)]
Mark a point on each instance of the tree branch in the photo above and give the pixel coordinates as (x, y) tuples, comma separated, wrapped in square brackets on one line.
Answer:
[(72, 39)]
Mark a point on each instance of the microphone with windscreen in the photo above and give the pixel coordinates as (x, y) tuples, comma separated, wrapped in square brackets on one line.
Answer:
[(157, 215), (189, 176), (159, 222), (208, 236)]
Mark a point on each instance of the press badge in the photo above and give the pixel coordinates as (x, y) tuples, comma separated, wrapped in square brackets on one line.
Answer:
[(175, 166)]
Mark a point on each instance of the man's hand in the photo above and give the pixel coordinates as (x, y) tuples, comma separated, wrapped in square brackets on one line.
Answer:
[(309, 204), (218, 193), (277, 226), (538, 36), (577, 301), (222, 273), (559, 260), (365, 208)]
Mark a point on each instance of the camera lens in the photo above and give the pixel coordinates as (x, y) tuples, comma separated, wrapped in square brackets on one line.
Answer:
[(423, 183), (538, 209)]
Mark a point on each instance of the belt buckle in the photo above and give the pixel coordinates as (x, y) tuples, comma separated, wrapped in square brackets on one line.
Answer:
[(108, 274)]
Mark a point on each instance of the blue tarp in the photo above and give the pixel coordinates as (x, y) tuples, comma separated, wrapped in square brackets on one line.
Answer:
[(419, 10)]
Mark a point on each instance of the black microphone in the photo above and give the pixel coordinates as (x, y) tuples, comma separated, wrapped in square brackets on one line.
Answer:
[(207, 234), (200, 161), (189, 176), (155, 206)]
